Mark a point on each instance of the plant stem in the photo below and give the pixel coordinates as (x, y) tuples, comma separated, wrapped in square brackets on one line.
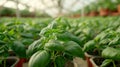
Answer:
[(54, 58), (98, 50), (4, 63), (113, 64), (54, 64)]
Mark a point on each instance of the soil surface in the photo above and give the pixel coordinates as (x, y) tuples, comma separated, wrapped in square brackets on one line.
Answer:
[(98, 61)]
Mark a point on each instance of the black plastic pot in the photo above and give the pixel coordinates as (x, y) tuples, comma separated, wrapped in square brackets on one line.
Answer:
[(10, 62), (97, 61)]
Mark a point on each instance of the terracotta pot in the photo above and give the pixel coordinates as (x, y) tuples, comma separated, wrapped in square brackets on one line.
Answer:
[(21, 62), (10, 62), (93, 62), (104, 12), (76, 16), (118, 8), (88, 57), (93, 13), (115, 14)]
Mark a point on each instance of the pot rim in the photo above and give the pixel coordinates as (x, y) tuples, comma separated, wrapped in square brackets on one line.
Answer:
[(13, 57)]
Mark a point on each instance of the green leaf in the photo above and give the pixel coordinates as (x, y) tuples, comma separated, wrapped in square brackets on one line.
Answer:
[(69, 57), (34, 47), (52, 31), (104, 41), (115, 41), (27, 41), (90, 45), (4, 51), (54, 45), (99, 37), (19, 49), (27, 35), (39, 59), (60, 61), (43, 31), (11, 32), (2, 36), (77, 32), (111, 53), (69, 37), (106, 62), (72, 48), (2, 42)]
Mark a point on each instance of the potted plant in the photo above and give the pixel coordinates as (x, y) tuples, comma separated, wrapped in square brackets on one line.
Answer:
[(93, 10), (96, 46), (103, 7), (115, 13), (16, 46), (17, 37), (19, 49), (118, 6), (111, 54), (113, 8), (110, 58), (7, 12), (5, 59), (86, 10), (104, 12), (9, 61), (55, 48)]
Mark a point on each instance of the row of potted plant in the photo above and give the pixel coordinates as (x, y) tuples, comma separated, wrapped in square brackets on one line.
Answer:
[(95, 36), (105, 47), (15, 37), (103, 8), (61, 40)]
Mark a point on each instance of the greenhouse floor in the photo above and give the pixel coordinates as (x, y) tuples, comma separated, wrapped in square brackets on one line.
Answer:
[(79, 63)]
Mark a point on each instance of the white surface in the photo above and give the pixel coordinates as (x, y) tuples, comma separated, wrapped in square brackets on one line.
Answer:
[(49, 6)]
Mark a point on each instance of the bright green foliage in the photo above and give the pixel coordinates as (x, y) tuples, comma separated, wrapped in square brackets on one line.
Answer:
[(60, 61), (54, 45), (39, 59), (90, 45), (19, 49), (34, 47), (72, 48), (111, 53), (62, 38), (69, 37), (106, 62)]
